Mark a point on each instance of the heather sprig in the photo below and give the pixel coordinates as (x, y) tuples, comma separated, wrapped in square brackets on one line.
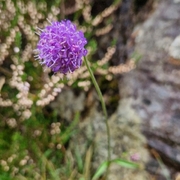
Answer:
[(61, 47)]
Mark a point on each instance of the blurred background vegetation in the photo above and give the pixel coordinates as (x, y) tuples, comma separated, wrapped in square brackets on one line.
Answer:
[(33, 136)]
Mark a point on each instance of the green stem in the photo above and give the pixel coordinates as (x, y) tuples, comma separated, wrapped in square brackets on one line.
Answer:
[(103, 107)]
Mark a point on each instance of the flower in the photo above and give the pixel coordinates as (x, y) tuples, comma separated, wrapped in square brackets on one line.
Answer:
[(61, 47)]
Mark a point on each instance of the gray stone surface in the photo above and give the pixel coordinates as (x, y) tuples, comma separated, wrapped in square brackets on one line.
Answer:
[(67, 104), (154, 86), (127, 141)]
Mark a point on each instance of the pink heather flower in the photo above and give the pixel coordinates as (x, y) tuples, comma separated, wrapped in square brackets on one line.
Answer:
[(61, 47)]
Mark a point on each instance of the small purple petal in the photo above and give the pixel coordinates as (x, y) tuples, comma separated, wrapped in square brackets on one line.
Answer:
[(61, 47)]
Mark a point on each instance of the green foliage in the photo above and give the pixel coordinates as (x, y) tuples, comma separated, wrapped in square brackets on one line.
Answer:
[(102, 168)]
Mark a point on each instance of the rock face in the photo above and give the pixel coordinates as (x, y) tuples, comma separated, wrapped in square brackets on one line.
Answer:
[(154, 86), (127, 141), (67, 104)]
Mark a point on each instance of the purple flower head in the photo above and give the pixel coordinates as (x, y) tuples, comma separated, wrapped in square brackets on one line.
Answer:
[(61, 47)]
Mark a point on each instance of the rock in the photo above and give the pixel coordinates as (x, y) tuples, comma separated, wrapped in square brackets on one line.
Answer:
[(127, 142), (174, 50), (67, 104), (154, 86)]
